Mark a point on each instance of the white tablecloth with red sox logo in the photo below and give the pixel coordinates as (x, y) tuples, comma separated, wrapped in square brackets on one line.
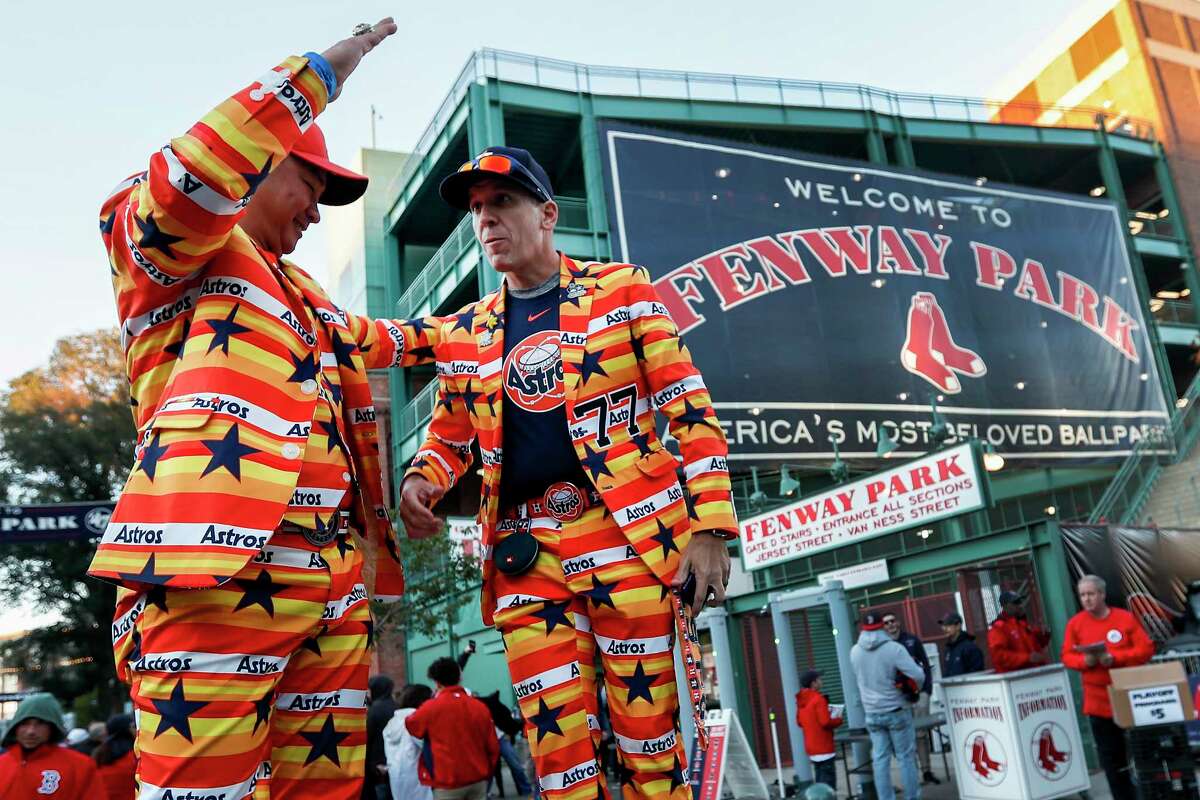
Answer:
[(1015, 736)]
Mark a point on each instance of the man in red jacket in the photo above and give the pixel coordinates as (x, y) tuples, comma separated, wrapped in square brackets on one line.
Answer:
[(813, 717), (461, 747), (1098, 639), (34, 765), (1012, 641)]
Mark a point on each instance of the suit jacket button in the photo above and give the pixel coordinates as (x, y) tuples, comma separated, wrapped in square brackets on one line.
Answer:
[(309, 386), (290, 450)]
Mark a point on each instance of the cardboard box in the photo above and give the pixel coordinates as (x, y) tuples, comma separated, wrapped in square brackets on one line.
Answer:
[(1152, 694)]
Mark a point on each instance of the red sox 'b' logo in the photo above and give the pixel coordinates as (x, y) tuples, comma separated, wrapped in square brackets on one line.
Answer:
[(533, 373)]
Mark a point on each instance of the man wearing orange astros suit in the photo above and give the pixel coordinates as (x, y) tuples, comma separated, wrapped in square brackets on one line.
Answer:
[(586, 527), (242, 623)]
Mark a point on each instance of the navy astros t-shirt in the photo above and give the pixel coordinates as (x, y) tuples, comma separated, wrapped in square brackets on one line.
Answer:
[(537, 445)]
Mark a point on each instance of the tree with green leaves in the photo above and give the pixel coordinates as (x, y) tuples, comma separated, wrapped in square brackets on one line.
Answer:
[(66, 435), (436, 573)]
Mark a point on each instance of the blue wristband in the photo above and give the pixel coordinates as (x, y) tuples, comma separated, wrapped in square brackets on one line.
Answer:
[(322, 68)]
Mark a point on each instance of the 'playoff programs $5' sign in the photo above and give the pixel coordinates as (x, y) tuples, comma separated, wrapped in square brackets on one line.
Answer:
[(941, 484)]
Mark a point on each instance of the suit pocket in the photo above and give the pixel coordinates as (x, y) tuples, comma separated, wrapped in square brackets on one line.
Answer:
[(657, 463), (183, 419)]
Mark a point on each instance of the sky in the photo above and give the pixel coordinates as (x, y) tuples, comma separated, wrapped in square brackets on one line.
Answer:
[(95, 88)]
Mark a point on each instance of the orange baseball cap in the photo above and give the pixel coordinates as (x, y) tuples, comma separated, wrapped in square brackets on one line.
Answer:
[(342, 186)]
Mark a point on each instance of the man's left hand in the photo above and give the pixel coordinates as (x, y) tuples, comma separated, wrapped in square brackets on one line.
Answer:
[(706, 557), (1106, 659)]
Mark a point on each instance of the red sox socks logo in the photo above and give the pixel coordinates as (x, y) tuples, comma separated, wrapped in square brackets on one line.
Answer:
[(930, 351), (1051, 762), (533, 373), (984, 750)]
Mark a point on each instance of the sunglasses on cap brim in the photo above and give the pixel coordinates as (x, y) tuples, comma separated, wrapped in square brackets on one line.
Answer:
[(503, 165)]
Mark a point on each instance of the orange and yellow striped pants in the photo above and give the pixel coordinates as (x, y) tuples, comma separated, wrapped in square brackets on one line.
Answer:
[(590, 594), (256, 688)]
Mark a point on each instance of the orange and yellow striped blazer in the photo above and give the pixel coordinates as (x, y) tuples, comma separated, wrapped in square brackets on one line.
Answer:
[(222, 358), (623, 360)]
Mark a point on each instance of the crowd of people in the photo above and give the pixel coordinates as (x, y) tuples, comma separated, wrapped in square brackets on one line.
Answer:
[(443, 742), (42, 758), (895, 681), (423, 743)]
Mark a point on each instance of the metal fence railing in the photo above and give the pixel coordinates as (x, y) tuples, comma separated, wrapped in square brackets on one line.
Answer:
[(1150, 225), (412, 420), (418, 297), (552, 73), (460, 252), (1180, 312), (1189, 658), (1130, 488)]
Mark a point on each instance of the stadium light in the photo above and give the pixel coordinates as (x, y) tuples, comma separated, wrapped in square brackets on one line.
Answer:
[(788, 485), (940, 431), (887, 445), (839, 471), (758, 496), (992, 461)]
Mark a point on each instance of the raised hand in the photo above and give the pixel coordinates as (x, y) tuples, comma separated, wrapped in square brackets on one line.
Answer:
[(344, 56)]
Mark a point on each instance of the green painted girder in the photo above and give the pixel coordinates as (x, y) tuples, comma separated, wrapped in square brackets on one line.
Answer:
[(1155, 246), (410, 183), (1178, 334), (969, 551)]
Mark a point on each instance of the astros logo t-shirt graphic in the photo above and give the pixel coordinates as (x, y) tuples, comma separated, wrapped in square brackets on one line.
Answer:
[(533, 373)]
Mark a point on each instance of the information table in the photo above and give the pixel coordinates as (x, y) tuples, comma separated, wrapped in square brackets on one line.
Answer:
[(1015, 736)]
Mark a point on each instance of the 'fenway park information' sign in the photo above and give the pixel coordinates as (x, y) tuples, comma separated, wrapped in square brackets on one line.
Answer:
[(941, 484)]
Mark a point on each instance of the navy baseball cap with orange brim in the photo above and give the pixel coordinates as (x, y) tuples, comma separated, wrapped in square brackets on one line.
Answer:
[(342, 186), (512, 164)]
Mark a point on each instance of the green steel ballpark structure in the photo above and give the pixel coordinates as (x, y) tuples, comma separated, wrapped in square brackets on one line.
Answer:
[(421, 258)]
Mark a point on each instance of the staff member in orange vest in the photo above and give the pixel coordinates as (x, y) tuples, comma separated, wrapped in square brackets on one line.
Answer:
[(1012, 642), (1097, 639), (243, 624), (586, 527)]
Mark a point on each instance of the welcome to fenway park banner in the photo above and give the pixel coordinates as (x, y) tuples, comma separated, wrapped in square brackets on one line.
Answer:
[(831, 298), (51, 522)]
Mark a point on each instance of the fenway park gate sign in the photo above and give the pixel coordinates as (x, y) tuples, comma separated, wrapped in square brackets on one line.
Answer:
[(53, 522), (826, 298)]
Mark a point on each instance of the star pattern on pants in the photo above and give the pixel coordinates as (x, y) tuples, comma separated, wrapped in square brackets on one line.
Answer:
[(546, 720), (262, 709), (175, 712), (677, 778), (601, 593), (259, 592), (554, 614), (324, 742), (639, 684)]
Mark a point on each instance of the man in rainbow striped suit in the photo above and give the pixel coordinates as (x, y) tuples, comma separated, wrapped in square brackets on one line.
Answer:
[(586, 527), (242, 622)]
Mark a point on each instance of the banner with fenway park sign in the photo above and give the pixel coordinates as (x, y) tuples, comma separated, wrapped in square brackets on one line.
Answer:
[(53, 522), (825, 298)]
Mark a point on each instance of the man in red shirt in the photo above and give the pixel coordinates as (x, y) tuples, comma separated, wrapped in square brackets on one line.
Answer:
[(461, 747), (1098, 639), (815, 718), (34, 765), (1013, 643)]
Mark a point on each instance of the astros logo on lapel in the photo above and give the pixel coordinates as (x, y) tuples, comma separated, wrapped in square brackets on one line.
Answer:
[(533, 372)]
